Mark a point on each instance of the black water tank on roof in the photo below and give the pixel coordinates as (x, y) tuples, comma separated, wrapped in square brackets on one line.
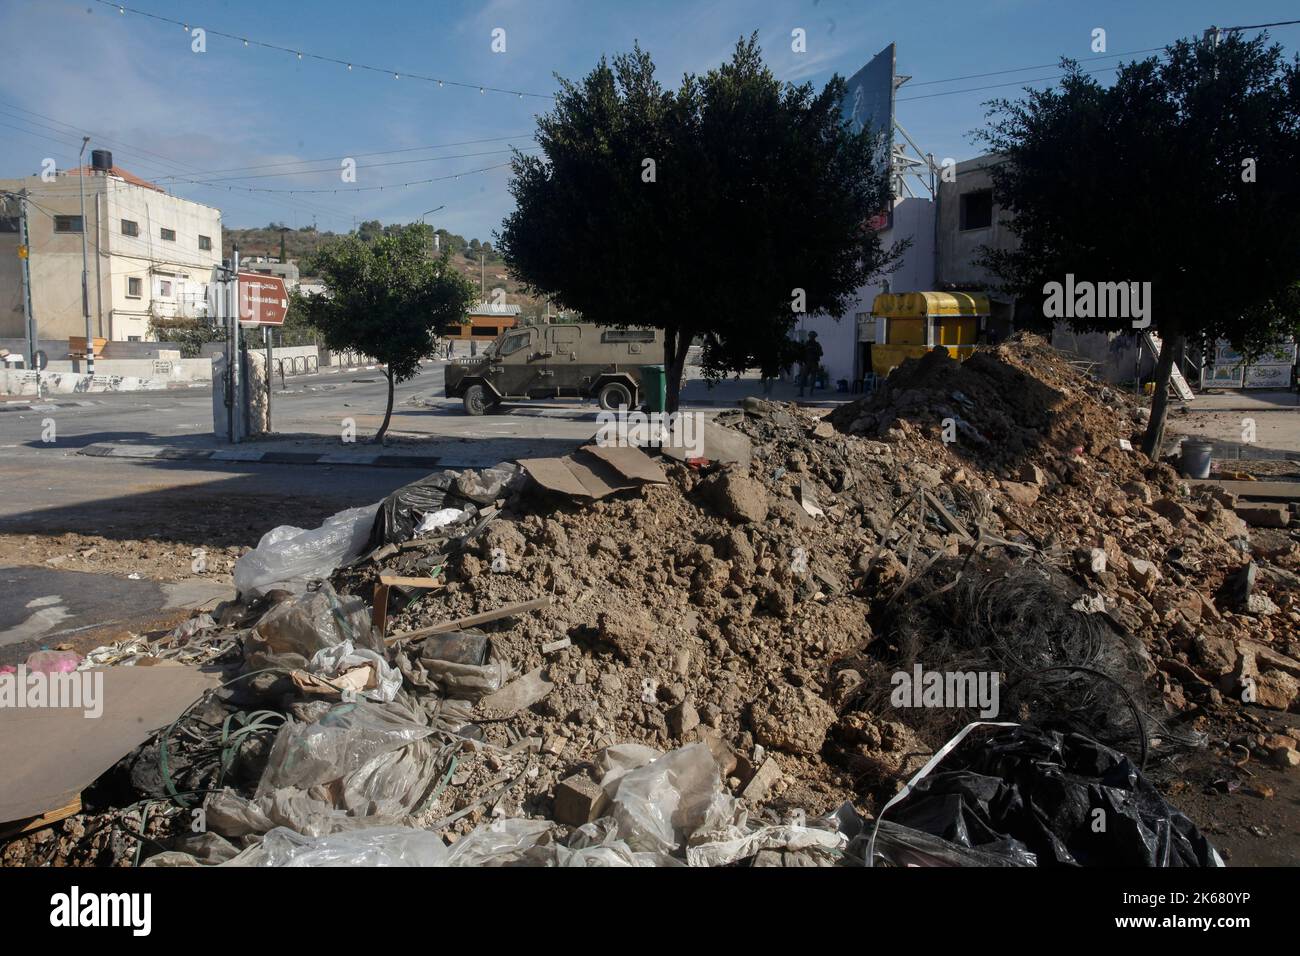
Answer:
[(101, 160)]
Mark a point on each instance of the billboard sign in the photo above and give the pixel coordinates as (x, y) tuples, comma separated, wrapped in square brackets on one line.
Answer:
[(869, 105)]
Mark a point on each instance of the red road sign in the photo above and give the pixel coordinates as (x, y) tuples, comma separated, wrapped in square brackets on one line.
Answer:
[(263, 300)]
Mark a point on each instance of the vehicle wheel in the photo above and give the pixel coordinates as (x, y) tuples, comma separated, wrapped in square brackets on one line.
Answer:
[(614, 396), (476, 401)]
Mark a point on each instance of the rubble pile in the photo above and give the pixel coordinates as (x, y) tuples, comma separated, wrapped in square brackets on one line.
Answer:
[(697, 669)]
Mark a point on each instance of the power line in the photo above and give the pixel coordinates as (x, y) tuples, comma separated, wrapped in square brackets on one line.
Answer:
[(394, 72), (1041, 66), (378, 152), (335, 170), (128, 148), (359, 189), (994, 86), (1258, 26)]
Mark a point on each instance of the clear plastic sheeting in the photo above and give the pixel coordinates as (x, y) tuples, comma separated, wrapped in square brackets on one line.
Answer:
[(659, 805), (359, 765), (340, 658), (376, 846), (293, 632), (287, 557), (345, 740)]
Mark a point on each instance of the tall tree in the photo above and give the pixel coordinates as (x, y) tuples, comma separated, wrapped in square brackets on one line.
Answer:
[(1183, 174), (386, 298), (765, 176)]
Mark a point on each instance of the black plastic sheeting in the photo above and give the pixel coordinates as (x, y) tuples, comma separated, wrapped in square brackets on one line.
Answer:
[(403, 510), (1021, 789)]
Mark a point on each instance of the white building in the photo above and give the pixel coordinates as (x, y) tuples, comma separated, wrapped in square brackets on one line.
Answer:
[(149, 254), (845, 342)]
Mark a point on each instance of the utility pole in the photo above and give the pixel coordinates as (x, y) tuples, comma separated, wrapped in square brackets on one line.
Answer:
[(233, 391), (24, 253), (85, 261), (482, 276)]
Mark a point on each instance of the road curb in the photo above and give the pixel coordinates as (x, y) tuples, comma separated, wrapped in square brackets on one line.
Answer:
[(267, 457), (42, 405)]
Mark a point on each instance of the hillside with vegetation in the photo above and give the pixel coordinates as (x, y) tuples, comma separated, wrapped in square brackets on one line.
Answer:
[(476, 259)]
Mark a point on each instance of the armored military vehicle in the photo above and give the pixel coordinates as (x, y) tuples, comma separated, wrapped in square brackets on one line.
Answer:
[(552, 361)]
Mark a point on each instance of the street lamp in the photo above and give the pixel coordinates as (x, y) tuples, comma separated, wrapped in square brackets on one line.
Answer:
[(429, 212), (85, 262)]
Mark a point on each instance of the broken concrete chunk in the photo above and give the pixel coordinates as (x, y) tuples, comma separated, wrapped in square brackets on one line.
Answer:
[(760, 785), (1264, 515), (578, 800), (683, 718), (736, 497)]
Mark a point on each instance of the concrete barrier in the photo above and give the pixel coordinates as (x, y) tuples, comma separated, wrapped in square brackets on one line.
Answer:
[(111, 375)]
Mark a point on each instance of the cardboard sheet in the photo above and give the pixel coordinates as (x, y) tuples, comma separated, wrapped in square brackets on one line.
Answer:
[(629, 462), (50, 754)]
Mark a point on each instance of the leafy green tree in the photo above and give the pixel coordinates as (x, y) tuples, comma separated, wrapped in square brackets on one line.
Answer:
[(1182, 174), (386, 298), (765, 176)]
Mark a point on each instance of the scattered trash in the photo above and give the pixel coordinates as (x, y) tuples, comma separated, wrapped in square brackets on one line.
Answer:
[(289, 557)]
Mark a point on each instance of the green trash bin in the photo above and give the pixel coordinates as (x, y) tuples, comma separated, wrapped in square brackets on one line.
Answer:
[(654, 386)]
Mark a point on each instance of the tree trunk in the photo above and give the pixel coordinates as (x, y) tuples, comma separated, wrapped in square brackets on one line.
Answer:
[(1171, 356), (388, 412), (676, 344)]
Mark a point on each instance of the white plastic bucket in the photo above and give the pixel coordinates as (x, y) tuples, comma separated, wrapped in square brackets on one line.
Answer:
[(1196, 458)]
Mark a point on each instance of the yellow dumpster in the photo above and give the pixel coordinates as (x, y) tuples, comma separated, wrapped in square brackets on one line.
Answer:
[(915, 322)]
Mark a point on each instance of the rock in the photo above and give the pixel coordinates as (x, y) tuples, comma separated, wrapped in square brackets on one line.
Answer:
[(1031, 474), (760, 785), (629, 633), (1225, 523), (1143, 574), (1139, 490), (682, 718), (578, 800), (1172, 510), (793, 719), (1264, 515), (1260, 605), (501, 537), (1276, 690), (736, 497), (1020, 493), (1216, 655)]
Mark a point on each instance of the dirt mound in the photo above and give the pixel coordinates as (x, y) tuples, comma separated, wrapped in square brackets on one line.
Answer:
[(1020, 400)]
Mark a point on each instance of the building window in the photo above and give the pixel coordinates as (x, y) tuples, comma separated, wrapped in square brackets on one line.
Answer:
[(130, 227), (67, 224), (133, 338), (168, 234), (133, 288), (977, 209), (205, 242), (164, 287)]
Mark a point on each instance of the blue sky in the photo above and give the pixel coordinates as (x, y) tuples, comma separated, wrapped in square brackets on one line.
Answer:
[(135, 84)]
